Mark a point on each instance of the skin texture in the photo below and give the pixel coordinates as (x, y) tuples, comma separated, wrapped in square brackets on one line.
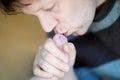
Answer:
[(54, 16), (64, 17)]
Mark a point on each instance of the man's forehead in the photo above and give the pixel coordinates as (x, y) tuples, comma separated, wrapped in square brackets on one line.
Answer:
[(25, 1), (31, 0)]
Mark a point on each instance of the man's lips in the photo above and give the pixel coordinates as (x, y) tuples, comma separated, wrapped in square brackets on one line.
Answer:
[(64, 33)]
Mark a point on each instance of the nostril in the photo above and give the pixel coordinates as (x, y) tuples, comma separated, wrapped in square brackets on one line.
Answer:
[(65, 33)]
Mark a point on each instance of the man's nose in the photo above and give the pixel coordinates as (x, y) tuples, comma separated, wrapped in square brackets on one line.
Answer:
[(47, 21)]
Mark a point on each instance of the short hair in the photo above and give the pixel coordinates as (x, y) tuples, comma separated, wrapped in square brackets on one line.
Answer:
[(11, 7)]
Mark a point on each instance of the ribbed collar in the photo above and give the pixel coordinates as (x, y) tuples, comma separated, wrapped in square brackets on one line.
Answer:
[(112, 15)]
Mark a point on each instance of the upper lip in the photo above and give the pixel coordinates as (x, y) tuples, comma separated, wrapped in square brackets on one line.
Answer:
[(63, 33)]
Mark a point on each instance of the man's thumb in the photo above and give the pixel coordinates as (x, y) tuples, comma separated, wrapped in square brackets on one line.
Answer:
[(70, 50)]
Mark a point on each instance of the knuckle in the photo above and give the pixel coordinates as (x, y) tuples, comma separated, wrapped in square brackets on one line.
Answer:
[(48, 43), (65, 68), (44, 54), (47, 57), (60, 56), (60, 66), (41, 63), (60, 74), (35, 71), (45, 46), (44, 66), (57, 73)]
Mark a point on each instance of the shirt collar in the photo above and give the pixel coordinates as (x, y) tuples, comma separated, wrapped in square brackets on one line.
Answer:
[(108, 20)]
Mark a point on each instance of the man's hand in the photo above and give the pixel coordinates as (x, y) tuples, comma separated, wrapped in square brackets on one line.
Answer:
[(51, 63)]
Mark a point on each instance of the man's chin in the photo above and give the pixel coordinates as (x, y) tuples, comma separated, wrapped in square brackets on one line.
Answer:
[(78, 34)]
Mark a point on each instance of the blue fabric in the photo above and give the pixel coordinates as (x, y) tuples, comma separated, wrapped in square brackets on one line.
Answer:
[(111, 69), (86, 74), (108, 70), (108, 20)]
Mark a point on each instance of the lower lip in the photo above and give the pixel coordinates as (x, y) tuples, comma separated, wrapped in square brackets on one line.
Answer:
[(65, 33)]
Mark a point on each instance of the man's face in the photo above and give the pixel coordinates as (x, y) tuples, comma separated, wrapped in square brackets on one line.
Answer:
[(63, 16)]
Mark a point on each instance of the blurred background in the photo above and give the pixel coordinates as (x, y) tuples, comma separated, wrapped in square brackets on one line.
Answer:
[(20, 37)]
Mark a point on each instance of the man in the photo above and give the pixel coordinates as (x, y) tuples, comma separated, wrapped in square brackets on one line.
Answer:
[(74, 17)]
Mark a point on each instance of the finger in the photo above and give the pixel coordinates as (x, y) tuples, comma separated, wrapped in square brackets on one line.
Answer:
[(70, 49), (40, 73), (50, 69), (54, 50), (52, 60), (54, 78), (35, 78), (38, 78)]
